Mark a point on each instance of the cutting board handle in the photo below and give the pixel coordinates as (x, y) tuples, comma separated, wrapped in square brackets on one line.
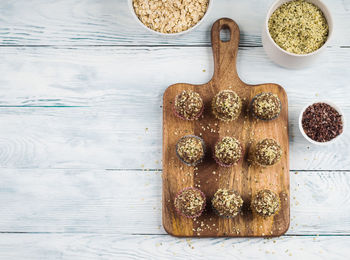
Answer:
[(225, 53)]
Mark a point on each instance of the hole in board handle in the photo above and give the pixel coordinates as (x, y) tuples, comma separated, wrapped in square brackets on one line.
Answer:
[(225, 34)]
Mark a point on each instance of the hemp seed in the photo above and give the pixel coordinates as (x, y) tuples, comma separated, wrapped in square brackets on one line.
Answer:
[(298, 27)]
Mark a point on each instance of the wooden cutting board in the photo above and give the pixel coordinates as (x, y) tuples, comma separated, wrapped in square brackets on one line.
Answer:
[(245, 178)]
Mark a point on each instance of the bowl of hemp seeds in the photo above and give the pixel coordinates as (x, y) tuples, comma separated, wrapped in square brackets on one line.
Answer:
[(296, 31), (169, 18)]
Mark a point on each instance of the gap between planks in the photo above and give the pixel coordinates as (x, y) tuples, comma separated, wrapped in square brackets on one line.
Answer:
[(146, 169), (154, 234), (136, 46)]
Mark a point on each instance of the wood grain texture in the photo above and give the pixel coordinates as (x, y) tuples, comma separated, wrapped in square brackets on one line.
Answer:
[(129, 202), (93, 246), (119, 104), (109, 22), (241, 177), (124, 136), (102, 76), (120, 89)]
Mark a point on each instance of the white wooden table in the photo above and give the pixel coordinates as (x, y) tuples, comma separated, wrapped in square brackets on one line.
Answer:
[(80, 133)]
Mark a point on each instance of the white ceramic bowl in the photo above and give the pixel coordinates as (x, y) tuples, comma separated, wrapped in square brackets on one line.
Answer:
[(287, 59), (131, 7), (308, 138)]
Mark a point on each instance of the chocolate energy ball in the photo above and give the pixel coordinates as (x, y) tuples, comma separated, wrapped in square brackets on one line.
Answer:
[(267, 152), (266, 203), (228, 151), (266, 106), (227, 105), (188, 105), (190, 202), (227, 203), (190, 149)]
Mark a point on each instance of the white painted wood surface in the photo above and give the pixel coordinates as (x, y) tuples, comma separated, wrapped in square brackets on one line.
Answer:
[(100, 201), (126, 135), (110, 246), (109, 22), (80, 133)]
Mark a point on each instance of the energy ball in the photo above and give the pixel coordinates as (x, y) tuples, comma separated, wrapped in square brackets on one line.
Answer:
[(227, 203), (227, 105), (188, 105), (190, 202), (267, 152), (228, 151), (190, 149), (266, 203), (266, 106)]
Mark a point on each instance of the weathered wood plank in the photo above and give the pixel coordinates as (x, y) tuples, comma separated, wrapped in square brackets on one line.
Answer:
[(124, 136), (109, 22), (102, 76), (93, 246), (129, 202)]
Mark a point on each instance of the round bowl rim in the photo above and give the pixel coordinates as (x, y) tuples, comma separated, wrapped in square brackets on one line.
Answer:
[(169, 34), (301, 129), (278, 3)]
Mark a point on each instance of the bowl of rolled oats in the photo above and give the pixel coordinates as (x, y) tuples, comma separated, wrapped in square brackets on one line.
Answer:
[(295, 32), (169, 17)]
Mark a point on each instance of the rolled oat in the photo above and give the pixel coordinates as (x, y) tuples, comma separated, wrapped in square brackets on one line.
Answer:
[(170, 16)]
